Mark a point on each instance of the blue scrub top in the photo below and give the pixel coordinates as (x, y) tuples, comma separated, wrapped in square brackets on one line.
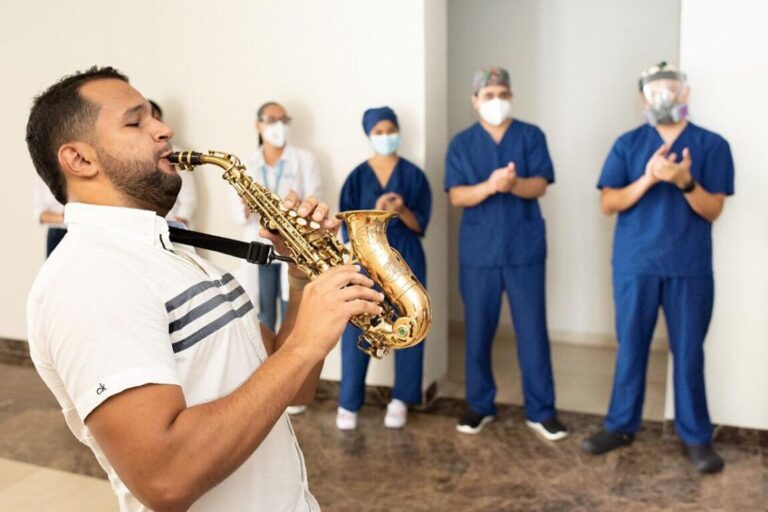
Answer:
[(504, 229), (360, 191), (661, 235)]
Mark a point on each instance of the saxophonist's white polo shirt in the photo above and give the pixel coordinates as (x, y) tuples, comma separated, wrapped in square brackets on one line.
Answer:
[(117, 306)]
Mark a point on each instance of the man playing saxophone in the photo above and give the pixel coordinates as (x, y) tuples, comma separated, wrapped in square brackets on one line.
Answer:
[(156, 356)]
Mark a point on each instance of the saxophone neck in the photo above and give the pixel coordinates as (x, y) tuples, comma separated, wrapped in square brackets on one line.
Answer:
[(187, 160)]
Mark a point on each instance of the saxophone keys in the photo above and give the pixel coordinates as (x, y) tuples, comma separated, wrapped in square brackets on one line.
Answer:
[(301, 221), (314, 225)]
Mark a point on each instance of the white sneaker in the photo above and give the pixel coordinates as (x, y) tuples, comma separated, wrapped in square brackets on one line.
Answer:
[(346, 420), (293, 410), (397, 414)]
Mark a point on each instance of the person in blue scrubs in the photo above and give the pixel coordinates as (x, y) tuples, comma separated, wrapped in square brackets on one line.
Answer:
[(386, 181), (667, 180), (496, 170)]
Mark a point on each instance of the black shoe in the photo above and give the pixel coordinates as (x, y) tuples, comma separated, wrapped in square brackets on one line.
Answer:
[(473, 423), (604, 441), (704, 457), (551, 430)]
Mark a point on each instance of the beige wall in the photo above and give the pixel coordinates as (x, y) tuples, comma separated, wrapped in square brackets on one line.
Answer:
[(210, 65), (435, 126), (722, 48)]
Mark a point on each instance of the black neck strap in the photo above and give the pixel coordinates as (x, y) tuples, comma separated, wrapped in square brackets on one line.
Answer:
[(252, 252)]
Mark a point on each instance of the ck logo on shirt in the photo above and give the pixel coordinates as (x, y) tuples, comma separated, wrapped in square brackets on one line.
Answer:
[(102, 388)]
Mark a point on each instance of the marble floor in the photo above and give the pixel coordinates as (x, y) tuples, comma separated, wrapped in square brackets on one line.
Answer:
[(425, 467)]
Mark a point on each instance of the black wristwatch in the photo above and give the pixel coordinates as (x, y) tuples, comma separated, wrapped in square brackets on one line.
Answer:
[(688, 187)]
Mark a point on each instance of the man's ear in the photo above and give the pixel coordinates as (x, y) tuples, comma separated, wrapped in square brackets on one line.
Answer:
[(474, 100), (79, 159)]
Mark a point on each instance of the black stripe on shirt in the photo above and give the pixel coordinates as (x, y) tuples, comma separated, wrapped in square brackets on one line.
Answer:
[(212, 327), (197, 289), (204, 308)]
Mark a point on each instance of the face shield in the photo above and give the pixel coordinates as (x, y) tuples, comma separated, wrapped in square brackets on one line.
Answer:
[(663, 89)]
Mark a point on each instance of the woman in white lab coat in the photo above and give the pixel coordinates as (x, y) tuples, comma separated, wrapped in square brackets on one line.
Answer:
[(280, 167)]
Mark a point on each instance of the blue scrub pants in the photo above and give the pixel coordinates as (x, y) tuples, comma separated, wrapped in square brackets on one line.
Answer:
[(409, 364), (687, 303), (269, 295), (481, 289)]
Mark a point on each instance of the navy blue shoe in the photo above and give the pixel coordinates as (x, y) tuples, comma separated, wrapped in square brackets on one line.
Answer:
[(604, 441), (704, 457)]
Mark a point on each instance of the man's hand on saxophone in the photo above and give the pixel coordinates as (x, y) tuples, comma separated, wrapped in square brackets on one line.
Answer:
[(318, 311), (311, 208)]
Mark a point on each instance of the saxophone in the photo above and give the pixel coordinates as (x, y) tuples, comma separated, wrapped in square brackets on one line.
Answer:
[(407, 311)]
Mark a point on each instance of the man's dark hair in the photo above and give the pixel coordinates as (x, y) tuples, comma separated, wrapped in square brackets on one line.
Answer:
[(59, 115), (157, 112)]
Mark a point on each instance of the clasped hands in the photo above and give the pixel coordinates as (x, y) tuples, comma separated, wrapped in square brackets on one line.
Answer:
[(503, 179), (662, 166), (390, 201)]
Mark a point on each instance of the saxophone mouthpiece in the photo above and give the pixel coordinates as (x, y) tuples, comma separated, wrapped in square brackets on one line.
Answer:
[(186, 158)]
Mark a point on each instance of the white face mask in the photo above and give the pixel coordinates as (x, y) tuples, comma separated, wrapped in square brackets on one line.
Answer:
[(275, 134), (495, 111)]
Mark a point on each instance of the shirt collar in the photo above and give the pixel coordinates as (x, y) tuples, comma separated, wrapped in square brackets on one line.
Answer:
[(143, 225)]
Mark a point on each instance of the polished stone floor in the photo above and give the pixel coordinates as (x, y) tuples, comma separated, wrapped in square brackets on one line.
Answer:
[(425, 467), (583, 376)]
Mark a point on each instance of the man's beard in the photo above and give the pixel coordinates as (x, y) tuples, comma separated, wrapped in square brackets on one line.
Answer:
[(148, 187)]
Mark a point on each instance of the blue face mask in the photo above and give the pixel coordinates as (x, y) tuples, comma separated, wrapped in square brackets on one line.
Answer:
[(385, 144)]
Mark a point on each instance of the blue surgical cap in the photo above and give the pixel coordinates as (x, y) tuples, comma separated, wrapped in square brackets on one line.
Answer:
[(374, 115)]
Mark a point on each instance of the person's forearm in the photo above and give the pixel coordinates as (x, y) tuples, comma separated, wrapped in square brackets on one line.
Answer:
[(615, 200), (467, 196), (410, 220), (704, 203), (306, 392), (49, 217), (530, 188), (294, 302), (207, 442)]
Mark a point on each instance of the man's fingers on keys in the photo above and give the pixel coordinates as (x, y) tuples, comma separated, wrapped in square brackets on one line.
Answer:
[(359, 307), (321, 211), (307, 205), (291, 199), (354, 292)]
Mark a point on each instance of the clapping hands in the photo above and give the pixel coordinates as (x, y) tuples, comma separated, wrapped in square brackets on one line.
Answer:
[(504, 179), (662, 166), (390, 201)]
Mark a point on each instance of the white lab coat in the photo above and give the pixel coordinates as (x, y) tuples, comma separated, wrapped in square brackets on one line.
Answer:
[(186, 201), (300, 174)]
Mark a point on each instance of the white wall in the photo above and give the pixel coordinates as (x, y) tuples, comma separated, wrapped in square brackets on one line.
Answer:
[(574, 68), (722, 48), (436, 121), (210, 66)]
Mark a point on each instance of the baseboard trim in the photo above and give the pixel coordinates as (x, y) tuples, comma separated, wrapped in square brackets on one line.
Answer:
[(15, 352), (727, 434)]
